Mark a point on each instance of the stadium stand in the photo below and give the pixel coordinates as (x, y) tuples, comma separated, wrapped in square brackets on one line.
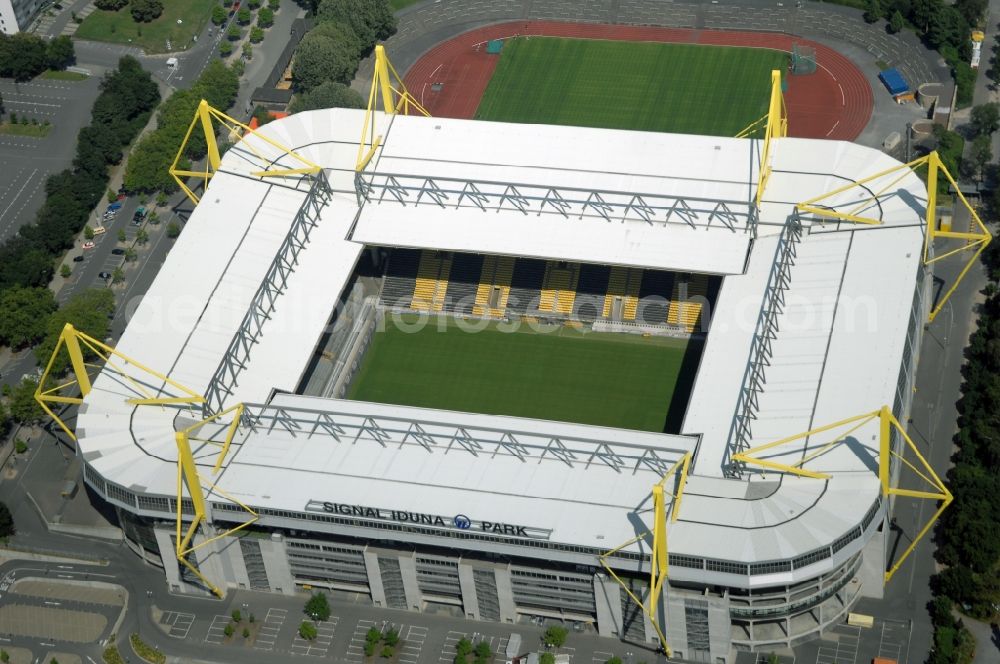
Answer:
[(526, 285), (591, 290), (465, 271), (654, 296), (622, 299), (432, 281), (494, 286), (400, 277), (684, 311), (559, 288)]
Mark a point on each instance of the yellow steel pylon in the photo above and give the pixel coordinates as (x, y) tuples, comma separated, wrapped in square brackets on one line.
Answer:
[(204, 117), (979, 237), (387, 84), (887, 422), (659, 557), (776, 127), (76, 344)]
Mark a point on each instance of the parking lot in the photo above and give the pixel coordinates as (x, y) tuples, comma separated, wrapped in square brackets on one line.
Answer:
[(270, 629), (319, 646), (26, 162), (178, 624)]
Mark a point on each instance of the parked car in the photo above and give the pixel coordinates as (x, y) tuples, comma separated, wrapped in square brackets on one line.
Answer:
[(88, 244), (139, 215), (104, 275), (117, 251), (100, 230), (78, 259), (113, 207)]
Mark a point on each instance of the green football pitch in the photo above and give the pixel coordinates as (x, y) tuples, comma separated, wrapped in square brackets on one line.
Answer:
[(678, 88), (614, 380)]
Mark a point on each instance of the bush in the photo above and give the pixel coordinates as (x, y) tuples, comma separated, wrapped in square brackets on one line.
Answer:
[(265, 17), (547, 658), (614, 660), (228, 631), (307, 630), (219, 15), (234, 33), (146, 651), (391, 637), (20, 446), (387, 652), (243, 16), (173, 230), (110, 5), (369, 649), (555, 636), (65, 271), (274, 5), (144, 11), (226, 49), (6, 526), (373, 635), (246, 632), (256, 35), (318, 608), (237, 616), (463, 647)]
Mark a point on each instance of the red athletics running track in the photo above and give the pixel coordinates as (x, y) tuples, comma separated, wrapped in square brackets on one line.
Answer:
[(835, 102)]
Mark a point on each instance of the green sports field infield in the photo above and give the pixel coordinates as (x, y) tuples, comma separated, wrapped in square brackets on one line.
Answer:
[(679, 88), (615, 380)]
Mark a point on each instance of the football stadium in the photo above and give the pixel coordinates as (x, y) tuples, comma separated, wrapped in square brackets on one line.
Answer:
[(652, 384)]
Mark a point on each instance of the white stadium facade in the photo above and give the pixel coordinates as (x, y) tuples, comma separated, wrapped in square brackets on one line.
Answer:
[(263, 305)]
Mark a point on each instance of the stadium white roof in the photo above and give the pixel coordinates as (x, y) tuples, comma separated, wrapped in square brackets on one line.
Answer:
[(590, 195)]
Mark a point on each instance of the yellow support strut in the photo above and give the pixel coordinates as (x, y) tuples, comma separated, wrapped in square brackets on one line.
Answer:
[(659, 556), (977, 238), (887, 423), (776, 127), (388, 85), (206, 116)]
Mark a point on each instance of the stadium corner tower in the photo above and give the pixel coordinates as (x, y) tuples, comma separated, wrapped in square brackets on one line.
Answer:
[(754, 517)]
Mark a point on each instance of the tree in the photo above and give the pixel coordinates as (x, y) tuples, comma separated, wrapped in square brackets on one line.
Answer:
[(225, 49), (247, 51), (22, 56), (982, 154), (23, 315), (547, 658), (873, 11), (371, 20), (265, 17), (387, 652), (122, 237), (253, 4), (555, 636), (234, 33), (110, 5), (60, 52), (23, 407), (228, 630), (4, 656), (173, 230), (895, 22), (327, 95), (237, 616), (318, 59), (246, 632), (463, 647), (117, 275), (391, 637), (342, 35), (274, 5), (6, 530), (483, 652), (307, 630), (20, 447), (256, 35), (243, 16), (65, 271), (971, 10), (985, 118), (142, 237), (219, 15), (318, 608), (88, 312), (144, 11)]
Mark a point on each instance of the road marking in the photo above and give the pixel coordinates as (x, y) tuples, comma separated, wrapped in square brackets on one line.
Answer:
[(14, 198), (48, 603), (64, 576)]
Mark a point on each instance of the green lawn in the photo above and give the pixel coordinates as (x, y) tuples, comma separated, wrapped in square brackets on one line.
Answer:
[(680, 88), (400, 4), (55, 75), (118, 27), (614, 380), (32, 130)]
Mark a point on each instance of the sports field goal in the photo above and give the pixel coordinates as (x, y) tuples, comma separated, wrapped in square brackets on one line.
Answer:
[(803, 59)]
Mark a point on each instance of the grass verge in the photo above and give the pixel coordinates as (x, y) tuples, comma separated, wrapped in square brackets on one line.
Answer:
[(119, 27), (33, 131)]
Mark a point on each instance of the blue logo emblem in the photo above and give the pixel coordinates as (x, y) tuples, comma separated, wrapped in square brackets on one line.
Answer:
[(462, 522)]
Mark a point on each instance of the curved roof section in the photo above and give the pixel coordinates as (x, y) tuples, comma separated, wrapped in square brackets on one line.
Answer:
[(825, 369)]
